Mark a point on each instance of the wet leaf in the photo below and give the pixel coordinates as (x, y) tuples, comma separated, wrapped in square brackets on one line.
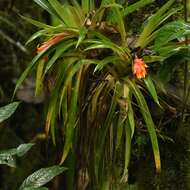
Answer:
[(33, 188), (7, 156), (8, 110), (6, 159), (23, 149), (41, 177)]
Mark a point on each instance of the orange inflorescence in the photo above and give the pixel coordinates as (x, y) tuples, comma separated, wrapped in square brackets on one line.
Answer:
[(55, 39), (139, 68)]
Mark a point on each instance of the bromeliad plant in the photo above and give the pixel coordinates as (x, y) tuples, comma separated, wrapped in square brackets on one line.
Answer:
[(96, 83)]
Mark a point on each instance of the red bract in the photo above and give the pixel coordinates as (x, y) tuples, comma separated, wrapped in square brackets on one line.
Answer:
[(55, 39), (139, 68)]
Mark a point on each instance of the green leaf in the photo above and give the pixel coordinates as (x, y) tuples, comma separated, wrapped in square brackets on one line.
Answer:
[(39, 77), (165, 72), (120, 24), (72, 118), (53, 111), (26, 72), (60, 49), (97, 17), (46, 6), (87, 5), (51, 116), (33, 188), (151, 88), (23, 149), (120, 124), (36, 23), (152, 58), (153, 23), (35, 35), (72, 71), (79, 13), (135, 6), (102, 63), (104, 130), (64, 13), (41, 177), (58, 7), (82, 34), (171, 31), (148, 120), (169, 50), (96, 46), (107, 2), (30, 67), (130, 114), (127, 152), (8, 110), (95, 99), (130, 117), (53, 30), (62, 76), (7, 156), (19, 151), (103, 42), (8, 160)]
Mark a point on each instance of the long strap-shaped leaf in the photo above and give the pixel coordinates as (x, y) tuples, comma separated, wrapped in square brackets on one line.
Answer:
[(60, 49), (87, 5), (127, 151), (35, 36), (64, 13), (163, 18), (39, 77), (151, 88), (72, 118), (37, 23), (53, 30), (103, 43), (29, 69), (120, 24), (129, 126), (136, 6), (103, 132), (51, 118), (31, 66), (153, 24), (104, 62), (55, 94), (46, 6), (148, 120), (70, 75)]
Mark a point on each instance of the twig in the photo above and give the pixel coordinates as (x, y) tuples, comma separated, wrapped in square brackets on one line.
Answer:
[(17, 44)]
